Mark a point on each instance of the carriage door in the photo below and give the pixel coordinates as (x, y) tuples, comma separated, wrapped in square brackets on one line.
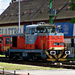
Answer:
[(1, 47), (14, 42)]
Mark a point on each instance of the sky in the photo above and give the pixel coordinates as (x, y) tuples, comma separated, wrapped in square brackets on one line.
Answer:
[(3, 5)]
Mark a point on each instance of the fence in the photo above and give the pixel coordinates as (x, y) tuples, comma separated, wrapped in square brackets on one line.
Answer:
[(8, 73)]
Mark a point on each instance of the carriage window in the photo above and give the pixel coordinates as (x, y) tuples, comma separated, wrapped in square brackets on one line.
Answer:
[(8, 40)]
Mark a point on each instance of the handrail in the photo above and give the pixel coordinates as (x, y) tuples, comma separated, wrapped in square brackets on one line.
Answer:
[(42, 44)]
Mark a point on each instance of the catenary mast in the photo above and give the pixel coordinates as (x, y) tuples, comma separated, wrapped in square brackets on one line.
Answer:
[(51, 13)]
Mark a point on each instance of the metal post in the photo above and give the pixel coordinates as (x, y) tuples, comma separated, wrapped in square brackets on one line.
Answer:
[(28, 73), (3, 71), (50, 16), (50, 4), (14, 72), (19, 16)]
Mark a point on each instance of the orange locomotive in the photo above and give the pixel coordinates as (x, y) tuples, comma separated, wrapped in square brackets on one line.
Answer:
[(5, 43), (40, 41)]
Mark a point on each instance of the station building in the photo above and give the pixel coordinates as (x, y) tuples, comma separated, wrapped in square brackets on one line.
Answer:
[(34, 11)]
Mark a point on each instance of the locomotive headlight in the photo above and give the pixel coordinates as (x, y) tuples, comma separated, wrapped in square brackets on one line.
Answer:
[(52, 52), (67, 52)]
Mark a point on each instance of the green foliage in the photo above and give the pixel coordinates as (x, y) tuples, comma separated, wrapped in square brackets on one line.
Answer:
[(73, 1), (72, 20), (72, 6)]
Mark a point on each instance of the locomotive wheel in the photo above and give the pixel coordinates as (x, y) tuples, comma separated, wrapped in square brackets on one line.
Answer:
[(12, 56), (34, 58)]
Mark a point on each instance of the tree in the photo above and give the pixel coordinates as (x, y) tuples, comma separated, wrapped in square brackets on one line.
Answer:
[(72, 7)]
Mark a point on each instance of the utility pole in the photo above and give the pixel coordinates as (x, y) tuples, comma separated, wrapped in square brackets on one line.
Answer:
[(19, 16), (51, 15)]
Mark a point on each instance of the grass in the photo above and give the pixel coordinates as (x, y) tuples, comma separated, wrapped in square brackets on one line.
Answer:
[(71, 58), (10, 66), (2, 55)]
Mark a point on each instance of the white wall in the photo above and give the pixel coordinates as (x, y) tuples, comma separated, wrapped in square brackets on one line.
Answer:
[(10, 29)]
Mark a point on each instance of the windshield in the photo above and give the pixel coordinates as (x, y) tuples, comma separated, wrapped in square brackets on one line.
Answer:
[(45, 30), (30, 30), (40, 29)]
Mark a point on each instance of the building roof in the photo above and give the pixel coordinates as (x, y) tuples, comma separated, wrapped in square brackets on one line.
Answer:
[(35, 10)]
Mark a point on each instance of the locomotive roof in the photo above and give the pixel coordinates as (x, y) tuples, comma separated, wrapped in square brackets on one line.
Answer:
[(47, 25), (35, 11), (32, 26), (42, 25)]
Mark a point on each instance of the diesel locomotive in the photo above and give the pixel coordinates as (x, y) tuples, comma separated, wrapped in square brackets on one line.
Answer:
[(40, 41)]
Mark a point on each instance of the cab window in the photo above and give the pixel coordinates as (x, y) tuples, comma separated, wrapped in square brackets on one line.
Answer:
[(30, 31), (8, 41), (41, 30), (50, 30), (27, 31)]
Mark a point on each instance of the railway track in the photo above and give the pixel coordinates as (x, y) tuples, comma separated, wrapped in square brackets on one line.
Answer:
[(67, 64)]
